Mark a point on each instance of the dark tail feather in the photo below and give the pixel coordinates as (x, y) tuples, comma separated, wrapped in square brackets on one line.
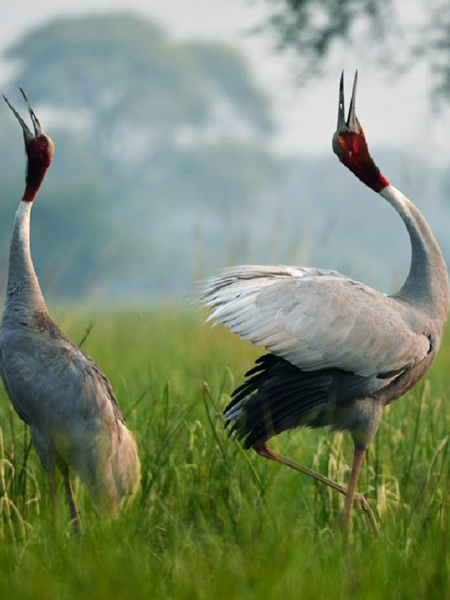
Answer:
[(278, 396)]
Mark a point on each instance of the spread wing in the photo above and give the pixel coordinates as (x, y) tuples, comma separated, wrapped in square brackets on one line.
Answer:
[(317, 319)]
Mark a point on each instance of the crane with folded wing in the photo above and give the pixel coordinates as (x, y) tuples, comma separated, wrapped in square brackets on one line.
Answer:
[(74, 418)]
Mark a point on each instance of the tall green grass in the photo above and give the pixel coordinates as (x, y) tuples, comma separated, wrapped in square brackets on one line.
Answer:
[(212, 521)]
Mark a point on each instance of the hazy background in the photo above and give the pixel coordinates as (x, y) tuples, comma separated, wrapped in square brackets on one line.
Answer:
[(186, 142)]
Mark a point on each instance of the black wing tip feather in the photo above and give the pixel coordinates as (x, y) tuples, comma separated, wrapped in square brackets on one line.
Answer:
[(257, 375), (278, 396), (254, 422)]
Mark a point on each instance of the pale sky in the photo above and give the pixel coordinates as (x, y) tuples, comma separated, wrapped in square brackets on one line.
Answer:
[(393, 113)]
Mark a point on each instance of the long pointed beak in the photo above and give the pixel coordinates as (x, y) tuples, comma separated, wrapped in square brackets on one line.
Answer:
[(352, 123), (37, 126), (341, 109), (27, 134)]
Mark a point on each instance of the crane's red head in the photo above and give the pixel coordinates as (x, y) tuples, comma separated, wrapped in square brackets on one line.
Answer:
[(350, 146), (39, 148)]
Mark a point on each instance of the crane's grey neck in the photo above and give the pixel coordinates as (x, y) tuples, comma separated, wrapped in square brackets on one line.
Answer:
[(23, 286), (427, 283)]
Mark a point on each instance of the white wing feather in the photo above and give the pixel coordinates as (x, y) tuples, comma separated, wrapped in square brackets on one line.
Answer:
[(316, 319)]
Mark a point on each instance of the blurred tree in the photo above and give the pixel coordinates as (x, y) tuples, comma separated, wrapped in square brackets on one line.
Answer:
[(313, 28), (135, 90), (228, 77), (435, 47), (153, 137), (397, 34)]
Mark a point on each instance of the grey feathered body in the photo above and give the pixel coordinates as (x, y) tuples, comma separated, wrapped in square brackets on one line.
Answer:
[(339, 350), (59, 391)]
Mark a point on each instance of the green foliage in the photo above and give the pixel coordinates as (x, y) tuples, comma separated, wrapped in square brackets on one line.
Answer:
[(436, 49), (380, 30), (315, 27), (212, 521)]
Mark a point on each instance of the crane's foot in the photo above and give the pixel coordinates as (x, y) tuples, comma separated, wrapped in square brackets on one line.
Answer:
[(74, 514), (362, 503)]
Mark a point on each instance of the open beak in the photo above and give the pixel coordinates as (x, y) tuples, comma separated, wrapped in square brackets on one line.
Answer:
[(38, 131), (352, 123)]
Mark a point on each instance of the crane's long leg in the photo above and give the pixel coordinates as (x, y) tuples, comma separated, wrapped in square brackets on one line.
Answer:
[(350, 493), (52, 486), (74, 516)]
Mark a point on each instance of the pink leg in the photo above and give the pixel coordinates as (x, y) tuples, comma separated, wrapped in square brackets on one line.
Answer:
[(350, 494), (74, 516), (51, 477), (263, 450), (52, 485)]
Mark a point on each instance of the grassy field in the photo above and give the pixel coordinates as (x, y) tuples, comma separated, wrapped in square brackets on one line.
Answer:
[(214, 522)]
